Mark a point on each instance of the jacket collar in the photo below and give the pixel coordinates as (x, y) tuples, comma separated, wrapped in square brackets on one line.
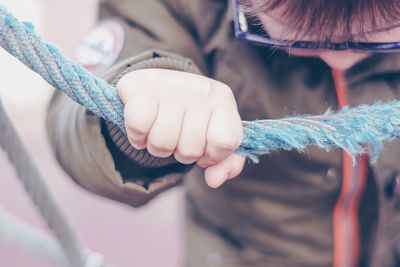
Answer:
[(375, 65)]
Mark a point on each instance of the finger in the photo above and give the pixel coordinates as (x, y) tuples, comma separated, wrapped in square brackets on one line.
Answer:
[(229, 168), (224, 135), (140, 113), (164, 134), (192, 140), (131, 84)]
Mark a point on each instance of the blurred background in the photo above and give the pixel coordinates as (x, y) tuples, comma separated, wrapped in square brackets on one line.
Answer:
[(149, 236)]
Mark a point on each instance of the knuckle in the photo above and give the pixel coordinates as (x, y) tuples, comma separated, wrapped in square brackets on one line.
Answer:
[(224, 144), (225, 90), (237, 128), (137, 144), (128, 83), (124, 84), (187, 156), (161, 147), (158, 153), (134, 129), (238, 136), (136, 140)]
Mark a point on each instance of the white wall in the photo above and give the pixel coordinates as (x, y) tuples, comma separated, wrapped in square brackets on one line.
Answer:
[(62, 22), (128, 237)]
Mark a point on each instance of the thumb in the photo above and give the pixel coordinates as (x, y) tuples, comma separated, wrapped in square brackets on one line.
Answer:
[(229, 168)]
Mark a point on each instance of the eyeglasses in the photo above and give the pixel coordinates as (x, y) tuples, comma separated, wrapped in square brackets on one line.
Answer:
[(245, 31)]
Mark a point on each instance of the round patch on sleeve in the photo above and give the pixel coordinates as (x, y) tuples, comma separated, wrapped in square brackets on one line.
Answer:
[(101, 47)]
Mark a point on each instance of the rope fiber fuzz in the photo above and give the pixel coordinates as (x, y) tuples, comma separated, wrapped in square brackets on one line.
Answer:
[(356, 130)]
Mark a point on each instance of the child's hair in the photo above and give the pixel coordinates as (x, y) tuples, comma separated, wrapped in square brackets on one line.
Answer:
[(322, 19)]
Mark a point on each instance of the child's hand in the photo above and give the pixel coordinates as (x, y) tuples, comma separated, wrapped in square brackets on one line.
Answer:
[(190, 116)]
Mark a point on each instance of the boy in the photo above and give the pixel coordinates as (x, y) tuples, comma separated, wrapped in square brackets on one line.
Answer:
[(292, 209)]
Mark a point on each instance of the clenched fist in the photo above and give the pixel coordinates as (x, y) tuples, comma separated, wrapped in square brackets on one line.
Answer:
[(190, 116)]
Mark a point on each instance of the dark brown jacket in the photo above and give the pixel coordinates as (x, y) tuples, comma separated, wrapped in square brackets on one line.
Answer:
[(278, 212)]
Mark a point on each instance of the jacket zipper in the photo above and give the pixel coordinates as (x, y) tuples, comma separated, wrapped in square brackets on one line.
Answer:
[(346, 229)]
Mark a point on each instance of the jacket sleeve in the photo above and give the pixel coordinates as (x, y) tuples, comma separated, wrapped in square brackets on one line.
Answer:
[(89, 149)]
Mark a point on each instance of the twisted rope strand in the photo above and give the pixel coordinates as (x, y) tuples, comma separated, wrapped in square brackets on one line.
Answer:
[(34, 184), (32, 239), (357, 130)]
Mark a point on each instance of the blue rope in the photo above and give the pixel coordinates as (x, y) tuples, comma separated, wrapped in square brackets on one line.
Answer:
[(357, 130)]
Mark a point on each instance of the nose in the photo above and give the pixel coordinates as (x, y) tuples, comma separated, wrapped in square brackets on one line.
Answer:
[(342, 60)]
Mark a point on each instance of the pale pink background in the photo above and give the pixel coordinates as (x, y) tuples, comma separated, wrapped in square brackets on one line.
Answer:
[(149, 236)]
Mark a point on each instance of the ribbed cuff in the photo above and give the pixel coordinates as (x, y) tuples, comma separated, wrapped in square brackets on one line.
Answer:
[(141, 157), (135, 165), (140, 165)]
